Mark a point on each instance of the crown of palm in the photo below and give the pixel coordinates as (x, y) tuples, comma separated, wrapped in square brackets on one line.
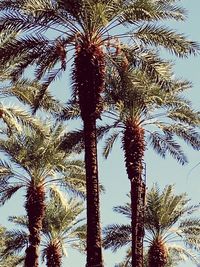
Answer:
[(27, 28), (38, 158), (160, 109), (62, 224), (166, 219)]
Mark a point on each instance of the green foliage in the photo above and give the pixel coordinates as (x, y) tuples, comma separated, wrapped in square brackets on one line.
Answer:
[(168, 217), (63, 223), (39, 158), (10, 260), (25, 28), (13, 119), (157, 106), (26, 91)]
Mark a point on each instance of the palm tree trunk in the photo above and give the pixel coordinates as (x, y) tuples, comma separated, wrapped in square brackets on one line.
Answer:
[(137, 223), (35, 208), (157, 256), (134, 147), (94, 253), (54, 255), (89, 75)]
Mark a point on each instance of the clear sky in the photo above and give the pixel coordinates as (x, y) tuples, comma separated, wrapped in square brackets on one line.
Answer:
[(112, 172)]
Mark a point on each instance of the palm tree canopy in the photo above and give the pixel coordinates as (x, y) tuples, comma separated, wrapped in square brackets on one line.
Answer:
[(63, 224), (32, 156), (67, 227), (168, 217), (26, 28), (161, 109)]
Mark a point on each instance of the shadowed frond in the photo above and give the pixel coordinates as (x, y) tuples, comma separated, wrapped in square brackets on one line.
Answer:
[(16, 242), (70, 111), (109, 142), (73, 141), (7, 192), (117, 236), (163, 144)]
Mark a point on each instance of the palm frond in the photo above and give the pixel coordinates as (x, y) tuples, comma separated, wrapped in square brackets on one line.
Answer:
[(17, 240), (164, 143), (50, 77), (161, 36), (188, 134), (109, 142), (153, 11), (116, 236), (15, 117), (73, 141), (26, 91), (22, 221), (125, 210), (185, 254), (70, 111), (7, 192)]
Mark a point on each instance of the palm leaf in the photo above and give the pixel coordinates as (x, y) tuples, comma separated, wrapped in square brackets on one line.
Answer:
[(163, 143), (109, 142), (117, 236), (7, 192), (175, 43)]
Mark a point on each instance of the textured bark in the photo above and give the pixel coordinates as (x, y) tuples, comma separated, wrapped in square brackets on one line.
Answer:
[(134, 147), (94, 243), (54, 255), (89, 73), (89, 76), (157, 254), (35, 208)]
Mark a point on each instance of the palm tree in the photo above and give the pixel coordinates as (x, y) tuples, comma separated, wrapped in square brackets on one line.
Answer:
[(144, 113), (65, 229), (86, 26), (40, 162), (62, 226), (170, 231)]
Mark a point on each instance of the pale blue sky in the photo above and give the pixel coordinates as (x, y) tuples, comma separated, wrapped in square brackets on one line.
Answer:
[(112, 172)]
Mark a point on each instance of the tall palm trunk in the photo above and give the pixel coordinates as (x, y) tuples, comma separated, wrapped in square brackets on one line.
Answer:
[(157, 256), (94, 254), (35, 208), (89, 78), (134, 147), (54, 255)]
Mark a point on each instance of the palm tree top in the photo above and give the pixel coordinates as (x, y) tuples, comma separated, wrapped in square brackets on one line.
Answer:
[(27, 27), (63, 223), (32, 156), (168, 217), (158, 108)]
